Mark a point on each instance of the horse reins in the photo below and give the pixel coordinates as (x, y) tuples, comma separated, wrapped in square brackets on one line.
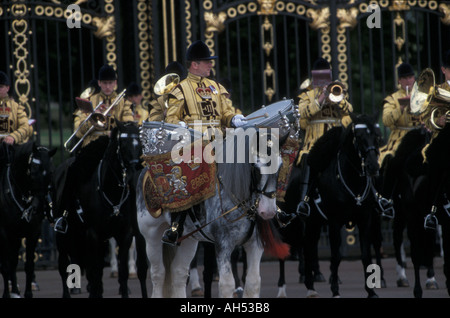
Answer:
[(369, 184), (241, 204), (123, 184)]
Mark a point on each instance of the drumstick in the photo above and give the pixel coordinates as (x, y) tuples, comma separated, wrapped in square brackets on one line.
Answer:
[(265, 116)]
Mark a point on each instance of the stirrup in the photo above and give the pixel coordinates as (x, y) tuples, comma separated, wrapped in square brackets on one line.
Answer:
[(61, 224), (431, 221), (387, 207), (303, 207), (170, 235), (284, 218)]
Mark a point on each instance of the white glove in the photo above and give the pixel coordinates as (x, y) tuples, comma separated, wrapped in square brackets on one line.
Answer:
[(238, 121), (182, 124)]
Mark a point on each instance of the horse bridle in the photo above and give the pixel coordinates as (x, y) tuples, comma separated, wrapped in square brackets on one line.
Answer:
[(27, 210), (123, 183), (369, 184)]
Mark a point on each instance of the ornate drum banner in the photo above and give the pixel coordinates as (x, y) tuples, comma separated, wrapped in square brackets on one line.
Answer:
[(177, 186)]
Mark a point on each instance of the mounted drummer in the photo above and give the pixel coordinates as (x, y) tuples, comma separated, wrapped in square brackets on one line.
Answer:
[(198, 100), (320, 108)]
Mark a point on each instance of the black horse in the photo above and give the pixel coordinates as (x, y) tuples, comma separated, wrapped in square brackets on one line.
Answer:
[(343, 163), (402, 174), (104, 192), (26, 172), (425, 192)]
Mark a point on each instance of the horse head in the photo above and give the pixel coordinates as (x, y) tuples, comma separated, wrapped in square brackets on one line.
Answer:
[(265, 169), (129, 147), (366, 140)]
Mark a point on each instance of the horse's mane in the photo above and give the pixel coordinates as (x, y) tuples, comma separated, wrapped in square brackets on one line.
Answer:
[(438, 153), (235, 177), (325, 149), (408, 153), (22, 153), (89, 157)]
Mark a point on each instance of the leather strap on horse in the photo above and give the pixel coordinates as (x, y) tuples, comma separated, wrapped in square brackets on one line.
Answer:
[(222, 215), (206, 224)]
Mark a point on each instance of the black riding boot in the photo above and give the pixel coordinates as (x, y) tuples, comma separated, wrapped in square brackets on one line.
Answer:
[(171, 235), (385, 201), (303, 207)]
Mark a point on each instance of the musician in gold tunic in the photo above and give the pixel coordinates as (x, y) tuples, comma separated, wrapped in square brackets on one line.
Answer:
[(134, 96), (73, 170), (396, 115), (107, 80), (14, 127), (317, 115), (198, 98), (201, 100)]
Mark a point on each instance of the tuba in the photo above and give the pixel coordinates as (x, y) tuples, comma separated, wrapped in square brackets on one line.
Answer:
[(427, 97), (166, 84)]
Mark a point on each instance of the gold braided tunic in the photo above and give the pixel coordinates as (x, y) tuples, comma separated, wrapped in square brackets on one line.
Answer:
[(398, 121), (317, 121), (140, 114), (200, 99), (14, 121), (122, 111), (158, 109)]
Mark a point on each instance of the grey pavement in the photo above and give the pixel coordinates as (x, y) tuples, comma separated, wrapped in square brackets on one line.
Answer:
[(350, 272)]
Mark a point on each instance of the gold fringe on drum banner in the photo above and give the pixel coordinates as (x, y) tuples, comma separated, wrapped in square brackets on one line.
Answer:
[(288, 152), (177, 186)]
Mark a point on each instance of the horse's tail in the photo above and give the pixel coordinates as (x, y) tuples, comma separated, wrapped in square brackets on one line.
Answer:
[(271, 240)]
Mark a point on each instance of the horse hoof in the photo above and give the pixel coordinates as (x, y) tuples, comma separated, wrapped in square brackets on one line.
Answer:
[(238, 293), (337, 296), (301, 279), (197, 292), (35, 286), (75, 291), (319, 278), (312, 294), (402, 282), (431, 284), (132, 276), (14, 295), (383, 283)]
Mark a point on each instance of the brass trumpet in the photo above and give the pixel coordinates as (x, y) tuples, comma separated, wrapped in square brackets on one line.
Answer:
[(98, 121), (426, 96), (335, 93)]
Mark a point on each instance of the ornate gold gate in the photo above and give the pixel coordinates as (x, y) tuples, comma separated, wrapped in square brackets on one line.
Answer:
[(267, 46)]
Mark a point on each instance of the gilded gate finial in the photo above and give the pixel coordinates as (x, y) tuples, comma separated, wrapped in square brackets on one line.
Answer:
[(320, 17), (399, 5), (445, 9), (105, 26), (215, 22), (267, 7), (347, 18)]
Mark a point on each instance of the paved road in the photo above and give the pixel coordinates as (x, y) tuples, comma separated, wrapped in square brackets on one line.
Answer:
[(351, 275)]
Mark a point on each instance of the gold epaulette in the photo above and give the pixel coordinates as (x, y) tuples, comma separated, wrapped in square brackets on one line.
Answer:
[(177, 93)]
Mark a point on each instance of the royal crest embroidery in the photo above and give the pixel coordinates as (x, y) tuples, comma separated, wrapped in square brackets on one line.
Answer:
[(204, 92), (177, 186)]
